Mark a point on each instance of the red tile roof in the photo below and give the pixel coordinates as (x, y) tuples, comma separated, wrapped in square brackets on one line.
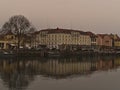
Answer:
[(91, 34), (103, 35), (58, 30), (113, 36)]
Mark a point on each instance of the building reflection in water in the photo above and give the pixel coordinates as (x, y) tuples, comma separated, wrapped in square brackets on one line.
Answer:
[(19, 73)]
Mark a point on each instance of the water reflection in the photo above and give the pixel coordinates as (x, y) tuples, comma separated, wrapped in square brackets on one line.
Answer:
[(19, 73)]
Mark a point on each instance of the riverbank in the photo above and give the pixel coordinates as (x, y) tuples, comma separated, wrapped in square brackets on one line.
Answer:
[(55, 53)]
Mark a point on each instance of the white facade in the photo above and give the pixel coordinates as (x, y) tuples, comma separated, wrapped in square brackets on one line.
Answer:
[(67, 37)]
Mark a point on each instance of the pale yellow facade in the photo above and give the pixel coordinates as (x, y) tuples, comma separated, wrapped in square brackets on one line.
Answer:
[(117, 43), (8, 41), (116, 40), (54, 39)]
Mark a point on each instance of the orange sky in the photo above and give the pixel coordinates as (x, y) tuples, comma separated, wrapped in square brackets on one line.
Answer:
[(100, 16)]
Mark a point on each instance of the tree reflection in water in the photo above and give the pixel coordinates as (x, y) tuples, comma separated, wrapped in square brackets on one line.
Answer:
[(19, 73)]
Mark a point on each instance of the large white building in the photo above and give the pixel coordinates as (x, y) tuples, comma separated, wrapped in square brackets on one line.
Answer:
[(53, 38)]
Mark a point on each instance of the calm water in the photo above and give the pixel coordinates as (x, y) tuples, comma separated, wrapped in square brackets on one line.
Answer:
[(96, 73)]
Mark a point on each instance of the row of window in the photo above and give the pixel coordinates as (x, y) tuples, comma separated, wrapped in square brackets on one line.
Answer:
[(78, 39), (58, 42), (63, 36)]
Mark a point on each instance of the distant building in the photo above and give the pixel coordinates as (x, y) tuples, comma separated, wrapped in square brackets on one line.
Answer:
[(8, 40), (104, 40), (117, 43), (116, 40), (53, 38), (93, 38)]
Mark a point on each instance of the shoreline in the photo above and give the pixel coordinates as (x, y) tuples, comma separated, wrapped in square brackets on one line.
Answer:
[(44, 53)]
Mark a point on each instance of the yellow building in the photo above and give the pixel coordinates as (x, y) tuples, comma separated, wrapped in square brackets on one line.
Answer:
[(8, 40), (117, 43), (116, 40), (53, 38)]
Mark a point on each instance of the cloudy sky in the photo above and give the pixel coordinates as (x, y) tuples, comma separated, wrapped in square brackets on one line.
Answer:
[(99, 16)]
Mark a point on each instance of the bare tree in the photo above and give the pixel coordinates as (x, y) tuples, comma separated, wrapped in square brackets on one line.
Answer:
[(5, 28), (19, 25)]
